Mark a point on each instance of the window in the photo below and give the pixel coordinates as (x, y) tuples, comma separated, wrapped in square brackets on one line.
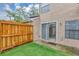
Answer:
[(45, 9), (49, 30), (72, 29)]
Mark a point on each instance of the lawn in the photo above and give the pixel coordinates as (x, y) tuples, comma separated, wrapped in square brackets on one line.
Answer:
[(33, 49)]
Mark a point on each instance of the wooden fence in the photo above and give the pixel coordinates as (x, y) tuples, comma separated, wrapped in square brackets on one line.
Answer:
[(13, 34)]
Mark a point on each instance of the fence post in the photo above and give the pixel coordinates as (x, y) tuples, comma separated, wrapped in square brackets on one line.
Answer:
[(1, 40)]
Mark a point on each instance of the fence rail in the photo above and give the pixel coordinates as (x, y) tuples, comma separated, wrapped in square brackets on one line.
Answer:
[(13, 34)]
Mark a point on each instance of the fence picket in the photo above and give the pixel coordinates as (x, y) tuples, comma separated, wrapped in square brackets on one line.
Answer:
[(13, 34)]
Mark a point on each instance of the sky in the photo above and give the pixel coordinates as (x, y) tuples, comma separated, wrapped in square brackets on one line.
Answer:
[(12, 7)]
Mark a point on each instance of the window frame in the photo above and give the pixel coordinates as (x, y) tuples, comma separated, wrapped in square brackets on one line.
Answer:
[(47, 34), (72, 30)]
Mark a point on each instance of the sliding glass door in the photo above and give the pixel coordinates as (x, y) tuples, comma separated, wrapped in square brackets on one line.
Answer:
[(49, 30)]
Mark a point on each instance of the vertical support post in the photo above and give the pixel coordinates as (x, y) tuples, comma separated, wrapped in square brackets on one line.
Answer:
[(1, 37)]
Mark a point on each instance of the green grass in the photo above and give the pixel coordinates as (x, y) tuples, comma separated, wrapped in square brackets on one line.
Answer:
[(33, 49)]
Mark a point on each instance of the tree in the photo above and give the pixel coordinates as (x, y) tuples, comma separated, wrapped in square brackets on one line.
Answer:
[(10, 14), (21, 15), (33, 11), (14, 15)]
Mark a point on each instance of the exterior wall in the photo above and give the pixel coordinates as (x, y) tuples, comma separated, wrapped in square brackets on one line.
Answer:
[(36, 28), (59, 13)]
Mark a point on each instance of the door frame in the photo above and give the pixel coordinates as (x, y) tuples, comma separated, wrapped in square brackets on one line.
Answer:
[(56, 28)]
